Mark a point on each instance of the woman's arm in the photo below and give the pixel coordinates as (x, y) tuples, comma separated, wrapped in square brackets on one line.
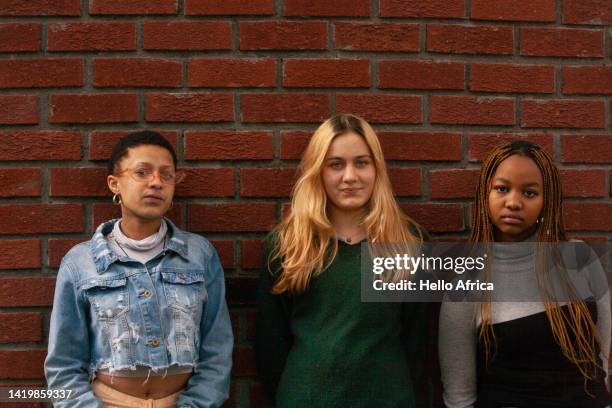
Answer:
[(209, 386), (68, 355), (457, 349), (274, 338)]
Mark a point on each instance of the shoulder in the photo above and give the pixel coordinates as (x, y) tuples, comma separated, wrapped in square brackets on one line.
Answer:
[(200, 245), (78, 261)]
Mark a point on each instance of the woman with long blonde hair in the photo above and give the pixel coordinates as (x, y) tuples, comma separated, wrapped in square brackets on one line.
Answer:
[(549, 347), (317, 344)]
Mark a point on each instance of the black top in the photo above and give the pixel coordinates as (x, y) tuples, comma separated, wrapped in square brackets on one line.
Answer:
[(528, 369)]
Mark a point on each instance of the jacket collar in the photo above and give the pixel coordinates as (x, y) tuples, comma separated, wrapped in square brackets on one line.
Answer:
[(104, 256)]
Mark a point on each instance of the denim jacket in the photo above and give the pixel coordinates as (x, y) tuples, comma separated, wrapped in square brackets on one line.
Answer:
[(112, 312)]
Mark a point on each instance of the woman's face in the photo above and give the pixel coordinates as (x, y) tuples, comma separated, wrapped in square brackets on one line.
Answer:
[(348, 173), (515, 198), (142, 180)]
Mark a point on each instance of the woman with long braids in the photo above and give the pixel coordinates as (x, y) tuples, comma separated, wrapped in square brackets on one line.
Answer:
[(551, 348), (139, 316), (317, 344)]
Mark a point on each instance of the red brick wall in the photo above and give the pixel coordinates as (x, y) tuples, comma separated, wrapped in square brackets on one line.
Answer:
[(237, 86)]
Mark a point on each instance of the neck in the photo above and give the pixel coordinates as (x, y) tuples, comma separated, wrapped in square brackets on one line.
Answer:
[(347, 223), (138, 228)]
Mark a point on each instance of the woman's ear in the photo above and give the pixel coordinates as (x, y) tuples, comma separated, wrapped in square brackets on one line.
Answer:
[(113, 183)]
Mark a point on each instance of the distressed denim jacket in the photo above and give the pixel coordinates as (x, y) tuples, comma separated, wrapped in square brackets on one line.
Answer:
[(112, 312)]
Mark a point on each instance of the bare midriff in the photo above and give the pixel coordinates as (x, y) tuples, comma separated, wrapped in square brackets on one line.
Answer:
[(156, 387)]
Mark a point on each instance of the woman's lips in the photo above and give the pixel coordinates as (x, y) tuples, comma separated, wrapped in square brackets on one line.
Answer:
[(511, 219)]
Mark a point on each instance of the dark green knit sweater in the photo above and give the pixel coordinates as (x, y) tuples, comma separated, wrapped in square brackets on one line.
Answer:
[(326, 348)]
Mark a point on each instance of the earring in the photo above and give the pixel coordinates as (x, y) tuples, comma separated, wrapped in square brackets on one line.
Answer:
[(171, 204), (116, 199)]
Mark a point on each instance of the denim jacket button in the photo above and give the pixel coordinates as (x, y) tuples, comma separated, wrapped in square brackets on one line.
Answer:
[(153, 342), (146, 293)]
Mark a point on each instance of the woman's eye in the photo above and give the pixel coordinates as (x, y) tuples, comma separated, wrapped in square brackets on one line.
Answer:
[(530, 194), (362, 163), (141, 172), (336, 165), (501, 189)]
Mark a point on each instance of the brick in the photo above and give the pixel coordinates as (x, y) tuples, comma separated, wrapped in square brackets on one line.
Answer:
[(232, 217), (41, 72), (101, 142), (471, 110), (558, 42), (326, 8), (587, 12), (514, 10), (232, 72), (252, 254), (284, 107), (225, 249), (103, 212), (21, 404), (18, 109), (406, 182), (20, 327), (137, 72), (512, 78), (24, 292), (403, 74), (19, 254), (93, 108), (283, 35), (189, 107), (41, 8), (587, 80), (228, 145), (391, 37), (187, 35), (481, 143), (229, 7), (379, 108), (241, 290), (206, 183), (563, 113), (421, 146), (418, 8), (331, 73), (243, 362), (40, 218), (20, 182), (293, 144), (132, 7), (79, 181), (583, 183), (588, 216), (91, 36), (267, 182), (481, 39), (22, 364), (58, 247), (436, 217), (453, 183), (19, 37), (586, 148), (40, 145)]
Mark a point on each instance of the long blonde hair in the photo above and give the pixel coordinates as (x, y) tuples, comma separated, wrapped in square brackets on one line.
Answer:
[(577, 321), (306, 234)]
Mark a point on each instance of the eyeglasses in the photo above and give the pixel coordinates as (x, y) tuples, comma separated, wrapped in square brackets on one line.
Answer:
[(146, 174)]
